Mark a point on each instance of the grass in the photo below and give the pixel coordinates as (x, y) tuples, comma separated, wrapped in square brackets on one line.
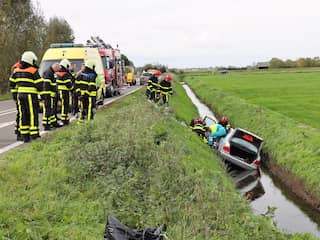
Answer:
[(6, 96), (292, 94), (146, 168), (275, 107)]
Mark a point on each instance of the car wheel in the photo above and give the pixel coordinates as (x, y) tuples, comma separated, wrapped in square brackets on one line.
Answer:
[(109, 92)]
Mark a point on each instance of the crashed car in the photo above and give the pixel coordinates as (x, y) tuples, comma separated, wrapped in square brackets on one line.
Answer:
[(248, 183), (241, 148)]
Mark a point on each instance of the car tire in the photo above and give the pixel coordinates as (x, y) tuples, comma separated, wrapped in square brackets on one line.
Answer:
[(109, 92)]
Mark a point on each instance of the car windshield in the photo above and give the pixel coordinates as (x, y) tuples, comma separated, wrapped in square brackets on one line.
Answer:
[(146, 74), (245, 144), (45, 64), (209, 121)]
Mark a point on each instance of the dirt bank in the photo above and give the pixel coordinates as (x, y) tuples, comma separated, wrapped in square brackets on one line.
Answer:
[(292, 184)]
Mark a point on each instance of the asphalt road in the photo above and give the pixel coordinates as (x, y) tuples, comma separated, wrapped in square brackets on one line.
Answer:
[(8, 116)]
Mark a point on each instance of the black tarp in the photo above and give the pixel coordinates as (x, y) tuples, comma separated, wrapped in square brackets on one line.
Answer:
[(115, 230)]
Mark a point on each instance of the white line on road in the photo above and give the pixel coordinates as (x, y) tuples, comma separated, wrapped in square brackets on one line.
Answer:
[(8, 110), (6, 124), (9, 147), (6, 113)]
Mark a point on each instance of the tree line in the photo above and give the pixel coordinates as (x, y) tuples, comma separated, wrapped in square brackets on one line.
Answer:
[(23, 27), (300, 62)]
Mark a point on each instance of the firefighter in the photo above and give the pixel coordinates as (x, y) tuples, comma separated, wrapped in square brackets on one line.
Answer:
[(47, 95), (87, 90), (74, 105), (149, 87), (27, 81), (165, 89), (64, 81), (195, 121), (217, 131), (14, 92), (154, 85)]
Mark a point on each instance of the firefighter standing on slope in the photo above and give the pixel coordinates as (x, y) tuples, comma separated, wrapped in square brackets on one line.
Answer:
[(154, 85), (14, 92), (165, 89), (64, 81), (27, 81), (87, 90), (47, 95)]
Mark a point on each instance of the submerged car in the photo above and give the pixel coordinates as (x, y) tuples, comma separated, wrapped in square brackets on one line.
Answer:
[(241, 148), (248, 183)]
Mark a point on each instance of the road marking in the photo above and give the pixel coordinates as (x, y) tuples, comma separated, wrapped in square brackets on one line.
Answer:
[(6, 124), (11, 146), (17, 144), (6, 113), (10, 109)]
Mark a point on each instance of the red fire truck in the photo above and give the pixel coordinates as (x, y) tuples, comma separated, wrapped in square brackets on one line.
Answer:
[(113, 66)]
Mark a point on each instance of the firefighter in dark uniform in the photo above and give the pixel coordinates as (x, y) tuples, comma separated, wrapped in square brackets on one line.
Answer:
[(165, 89), (154, 85), (64, 82), (87, 90), (27, 81), (14, 92), (149, 87), (47, 95)]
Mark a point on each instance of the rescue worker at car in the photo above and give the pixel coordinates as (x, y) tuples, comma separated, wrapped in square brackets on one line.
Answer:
[(165, 89), (64, 82), (195, 121), (26, 79), (14, 92), (217, 131), (48, 95), (200, 129), (87, 90)]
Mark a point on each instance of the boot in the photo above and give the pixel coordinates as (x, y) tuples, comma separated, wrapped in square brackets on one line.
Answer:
[(26, 138)]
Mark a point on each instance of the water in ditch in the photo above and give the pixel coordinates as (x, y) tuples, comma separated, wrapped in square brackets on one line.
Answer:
[(265, 195)]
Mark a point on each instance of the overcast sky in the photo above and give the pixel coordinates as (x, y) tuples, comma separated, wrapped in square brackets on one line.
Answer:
[(198, 33)]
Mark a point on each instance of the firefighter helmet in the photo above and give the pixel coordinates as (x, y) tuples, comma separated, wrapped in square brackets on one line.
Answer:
[(90, 64), (29, 57), (157, 73), (168, 77), (65, 63), (224, 120)]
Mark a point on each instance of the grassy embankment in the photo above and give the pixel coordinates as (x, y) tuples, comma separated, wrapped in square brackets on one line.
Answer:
[(134, 161), (282, 108), (5, 96)]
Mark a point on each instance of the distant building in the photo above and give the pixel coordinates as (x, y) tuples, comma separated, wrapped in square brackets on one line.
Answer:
[(263, 65)]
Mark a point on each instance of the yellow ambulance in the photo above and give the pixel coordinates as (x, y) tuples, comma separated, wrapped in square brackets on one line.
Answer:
[(77, 54)]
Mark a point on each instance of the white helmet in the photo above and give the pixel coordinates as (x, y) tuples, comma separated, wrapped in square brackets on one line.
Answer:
[(90, 64), (65, 63), (29, 57)]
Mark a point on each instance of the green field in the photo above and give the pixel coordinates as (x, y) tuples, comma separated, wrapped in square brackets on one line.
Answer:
[(280, 107), (295, 95), (151, 170)]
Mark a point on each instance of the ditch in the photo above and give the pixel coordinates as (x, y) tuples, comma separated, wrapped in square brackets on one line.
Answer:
[(266, 195)]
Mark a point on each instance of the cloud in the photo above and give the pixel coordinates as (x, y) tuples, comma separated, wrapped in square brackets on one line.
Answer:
[(205, 32)]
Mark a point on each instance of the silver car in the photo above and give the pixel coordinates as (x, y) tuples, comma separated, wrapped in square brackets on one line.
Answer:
[(241, 148), (144, 78)]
